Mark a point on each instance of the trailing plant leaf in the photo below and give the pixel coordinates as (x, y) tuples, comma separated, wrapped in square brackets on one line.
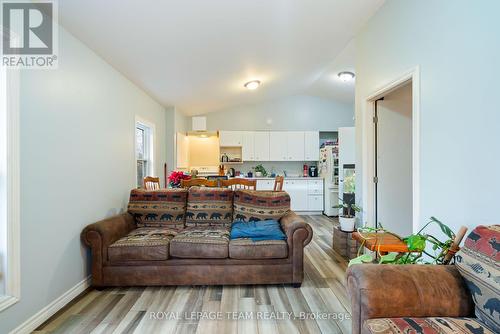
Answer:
[(389, 258), (446, 230), (365, 258), (415, 242)]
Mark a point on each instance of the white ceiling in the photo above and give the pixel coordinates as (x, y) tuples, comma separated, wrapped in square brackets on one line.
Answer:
[(197, 54)]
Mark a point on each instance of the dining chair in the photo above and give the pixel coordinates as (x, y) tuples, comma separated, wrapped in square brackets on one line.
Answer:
[(239, 183), (151, 183), (198, 182), (278, 183)]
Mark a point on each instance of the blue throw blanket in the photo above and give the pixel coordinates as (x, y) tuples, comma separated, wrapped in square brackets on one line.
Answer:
[(257, 231)]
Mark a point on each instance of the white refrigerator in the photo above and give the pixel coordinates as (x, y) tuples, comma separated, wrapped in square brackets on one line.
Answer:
[(329, 171)]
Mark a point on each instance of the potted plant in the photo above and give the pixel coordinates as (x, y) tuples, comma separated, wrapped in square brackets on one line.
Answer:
[(348, 220), (260, 170)]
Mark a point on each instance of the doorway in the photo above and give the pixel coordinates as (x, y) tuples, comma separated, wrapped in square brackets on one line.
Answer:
[(393, 160)]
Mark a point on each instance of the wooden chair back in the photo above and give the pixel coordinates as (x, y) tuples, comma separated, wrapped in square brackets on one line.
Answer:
[(278, 183), (151, 183), (239, 183), (198, 182)]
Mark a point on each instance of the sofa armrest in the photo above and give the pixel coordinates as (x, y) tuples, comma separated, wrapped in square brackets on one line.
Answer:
[(382, 291), (100, 235), (298, 235), (291, 223)]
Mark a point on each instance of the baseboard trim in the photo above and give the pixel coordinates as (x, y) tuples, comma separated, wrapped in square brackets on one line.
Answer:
[(44, 314)]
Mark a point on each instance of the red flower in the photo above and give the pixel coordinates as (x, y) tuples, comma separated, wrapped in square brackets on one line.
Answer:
[(175, 178)]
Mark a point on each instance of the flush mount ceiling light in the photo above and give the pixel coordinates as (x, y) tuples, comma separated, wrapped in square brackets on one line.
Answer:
[(346, 76), (254, 84)]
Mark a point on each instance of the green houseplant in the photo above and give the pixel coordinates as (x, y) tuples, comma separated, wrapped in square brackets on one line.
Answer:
[(347, 220), (424, 248), (260, 170)]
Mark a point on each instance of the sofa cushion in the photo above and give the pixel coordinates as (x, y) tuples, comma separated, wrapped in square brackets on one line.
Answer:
[(245, 248), (425, 325), (142, 244), (156, 208), (479, 264), (253, 205), (209, 206), (201, 243)]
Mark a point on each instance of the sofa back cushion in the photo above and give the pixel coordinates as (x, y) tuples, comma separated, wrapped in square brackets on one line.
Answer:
[(479, 263), (158, 208), (253, 205), (208, 206)]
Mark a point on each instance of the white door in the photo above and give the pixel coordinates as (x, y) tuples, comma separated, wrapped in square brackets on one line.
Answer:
[(230, 138), (278, 146), (295, 145), (261, 146), (247, 146), (394, 161), (311, 146)]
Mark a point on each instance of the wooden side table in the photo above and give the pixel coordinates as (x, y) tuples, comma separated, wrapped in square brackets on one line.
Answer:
[(381, 242)]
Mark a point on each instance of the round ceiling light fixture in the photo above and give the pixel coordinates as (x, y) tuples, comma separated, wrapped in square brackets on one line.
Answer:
[(346, 76), (254, 84)]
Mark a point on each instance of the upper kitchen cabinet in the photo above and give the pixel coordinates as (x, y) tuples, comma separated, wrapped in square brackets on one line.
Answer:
[(311, 146), (278, 146), (230, 138), (295, 145), (261, 146), (248, 146)]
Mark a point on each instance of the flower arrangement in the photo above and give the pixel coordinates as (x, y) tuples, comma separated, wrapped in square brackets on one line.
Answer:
[(174, 179)]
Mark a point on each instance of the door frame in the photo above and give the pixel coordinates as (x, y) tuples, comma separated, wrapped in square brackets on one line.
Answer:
[(368, 145)]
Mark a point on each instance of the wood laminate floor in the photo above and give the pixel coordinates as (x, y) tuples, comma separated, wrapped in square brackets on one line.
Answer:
[(319, 306)]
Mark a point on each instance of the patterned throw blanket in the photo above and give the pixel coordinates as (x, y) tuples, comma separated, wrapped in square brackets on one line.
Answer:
[(257, 231)]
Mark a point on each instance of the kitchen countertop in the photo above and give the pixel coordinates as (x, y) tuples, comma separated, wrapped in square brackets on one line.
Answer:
[(272, 178)]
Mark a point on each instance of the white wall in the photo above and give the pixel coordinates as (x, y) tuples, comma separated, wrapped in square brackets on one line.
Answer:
[(77, 166), (298, 112), (455, 43)]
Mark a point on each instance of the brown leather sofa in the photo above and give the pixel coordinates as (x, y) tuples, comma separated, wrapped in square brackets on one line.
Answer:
[(176, 237), (460, 298)]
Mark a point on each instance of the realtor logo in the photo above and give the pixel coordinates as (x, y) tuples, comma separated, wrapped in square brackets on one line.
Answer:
[(29, 32)]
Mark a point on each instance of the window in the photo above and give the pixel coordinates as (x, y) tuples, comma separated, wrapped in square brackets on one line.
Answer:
[(9, 188), (144, 139)]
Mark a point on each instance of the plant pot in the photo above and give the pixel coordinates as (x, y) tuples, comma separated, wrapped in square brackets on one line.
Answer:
[(347, 224), (258, 174)]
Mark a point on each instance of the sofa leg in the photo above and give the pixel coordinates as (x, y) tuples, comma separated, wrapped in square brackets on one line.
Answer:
[(296, 285), (99, 288)]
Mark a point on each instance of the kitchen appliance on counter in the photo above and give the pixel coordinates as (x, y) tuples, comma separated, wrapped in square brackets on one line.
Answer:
[(305, 170), (313, 171)]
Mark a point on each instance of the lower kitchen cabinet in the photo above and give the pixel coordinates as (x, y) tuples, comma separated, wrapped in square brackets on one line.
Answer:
[(306, 195)]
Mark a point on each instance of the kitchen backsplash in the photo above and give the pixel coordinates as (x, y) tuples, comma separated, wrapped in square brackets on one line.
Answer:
[(292, 167)]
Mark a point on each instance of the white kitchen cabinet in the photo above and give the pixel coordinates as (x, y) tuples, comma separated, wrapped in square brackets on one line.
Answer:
[(297, 189), (261, 146), (315, 187), (295, 145), (315, 203), (278, 146), (311, 146), (265, 184), (247, 146), (230, 138)]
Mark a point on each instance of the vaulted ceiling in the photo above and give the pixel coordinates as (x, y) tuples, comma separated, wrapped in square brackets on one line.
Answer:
[(197, 54)]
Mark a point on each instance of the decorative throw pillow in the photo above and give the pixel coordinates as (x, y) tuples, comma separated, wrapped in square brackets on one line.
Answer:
[(155, 208), (479, 263), (208, 206), (253, 205)]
